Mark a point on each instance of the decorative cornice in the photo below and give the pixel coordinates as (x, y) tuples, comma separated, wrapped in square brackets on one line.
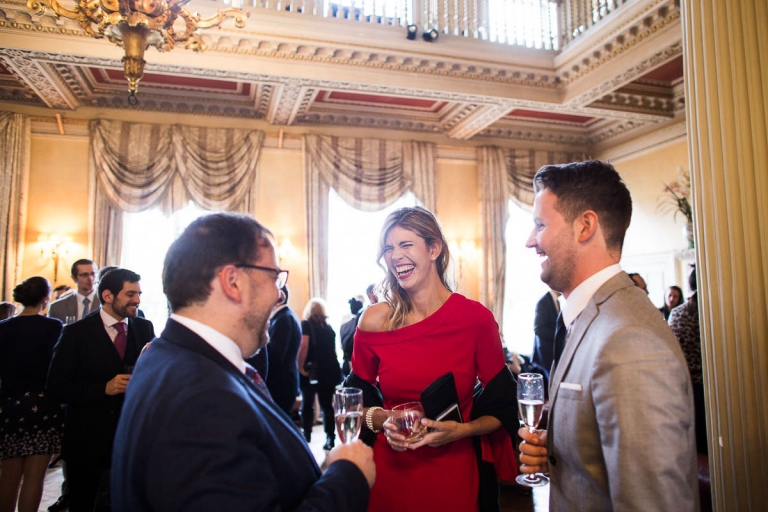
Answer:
[(481, 118), (34, 74)]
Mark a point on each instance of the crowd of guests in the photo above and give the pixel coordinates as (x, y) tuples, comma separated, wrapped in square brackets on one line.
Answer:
[(199, 418)]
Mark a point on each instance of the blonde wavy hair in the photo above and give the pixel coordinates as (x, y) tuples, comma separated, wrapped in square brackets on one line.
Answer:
[(422, 222), (315, 310)]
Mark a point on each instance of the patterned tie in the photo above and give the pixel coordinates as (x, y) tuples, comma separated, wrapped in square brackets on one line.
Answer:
[(252, 374), (121, 340), (86, 302)]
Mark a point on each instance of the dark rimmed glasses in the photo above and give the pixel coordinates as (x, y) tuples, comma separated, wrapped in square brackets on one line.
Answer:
[(281, 276)]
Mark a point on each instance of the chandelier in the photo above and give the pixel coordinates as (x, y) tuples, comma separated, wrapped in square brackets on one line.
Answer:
[(137, 24)]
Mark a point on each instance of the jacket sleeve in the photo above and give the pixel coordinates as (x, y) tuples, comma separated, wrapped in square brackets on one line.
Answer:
[(224, 465), (65, 379)]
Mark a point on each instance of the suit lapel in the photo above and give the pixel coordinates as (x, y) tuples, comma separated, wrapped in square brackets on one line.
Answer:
[(180, 335), (580, 327)]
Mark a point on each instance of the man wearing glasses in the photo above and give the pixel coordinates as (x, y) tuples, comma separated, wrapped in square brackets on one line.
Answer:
[(77, 305), (199, 430)]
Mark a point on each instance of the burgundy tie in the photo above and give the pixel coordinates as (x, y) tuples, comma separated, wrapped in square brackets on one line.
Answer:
[(253, 374), (121, 340)]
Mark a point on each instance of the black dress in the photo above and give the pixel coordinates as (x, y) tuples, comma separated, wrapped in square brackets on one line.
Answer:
[(30, 423), (322, 352)]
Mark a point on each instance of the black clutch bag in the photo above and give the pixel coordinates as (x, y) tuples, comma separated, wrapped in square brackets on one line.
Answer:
[(441, 401)]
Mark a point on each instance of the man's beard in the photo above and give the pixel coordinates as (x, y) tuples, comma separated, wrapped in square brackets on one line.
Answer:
[(257, 323)]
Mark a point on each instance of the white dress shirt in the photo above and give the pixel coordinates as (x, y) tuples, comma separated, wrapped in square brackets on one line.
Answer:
[(109, 324), (91, 297), (579, 297), (221, 343)]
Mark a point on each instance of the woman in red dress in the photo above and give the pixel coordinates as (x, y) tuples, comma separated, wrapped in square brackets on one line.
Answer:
[(421, 331)]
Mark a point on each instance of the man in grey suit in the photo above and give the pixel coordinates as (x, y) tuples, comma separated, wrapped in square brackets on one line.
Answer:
[(82, 302), (621, 433)]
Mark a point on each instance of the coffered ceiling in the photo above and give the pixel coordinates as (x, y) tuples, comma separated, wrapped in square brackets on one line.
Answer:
[(288, 69)]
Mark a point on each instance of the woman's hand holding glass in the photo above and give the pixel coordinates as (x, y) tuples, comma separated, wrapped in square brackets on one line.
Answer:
[(404, 425)]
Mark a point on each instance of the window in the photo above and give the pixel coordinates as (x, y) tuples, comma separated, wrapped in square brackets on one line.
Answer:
[(352, 245), (147, 236), (523, 287), (530, 23)]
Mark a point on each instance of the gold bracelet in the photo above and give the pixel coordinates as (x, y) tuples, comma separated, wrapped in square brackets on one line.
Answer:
[(369, 418)]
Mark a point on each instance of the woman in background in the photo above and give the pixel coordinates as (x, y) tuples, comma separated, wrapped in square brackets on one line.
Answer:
[(672, 299), (319, 370), (31, 425), (419, 332), (7, 310)]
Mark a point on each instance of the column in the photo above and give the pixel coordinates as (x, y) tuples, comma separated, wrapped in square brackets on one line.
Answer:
[(726, 86)]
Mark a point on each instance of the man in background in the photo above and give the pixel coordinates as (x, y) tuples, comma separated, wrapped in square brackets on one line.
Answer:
[(371, 292), (620, 431), (211, 437), (347, 334), (639, 281), (544, 323), (89, 373), (84, 301), (282, 352)]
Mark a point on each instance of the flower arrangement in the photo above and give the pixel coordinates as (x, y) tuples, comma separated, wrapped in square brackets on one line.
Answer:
[(677, 199)]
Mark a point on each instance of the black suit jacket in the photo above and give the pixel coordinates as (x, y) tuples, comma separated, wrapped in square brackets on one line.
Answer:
[(196, 434), (282, 352), (84, 360), (544, 324)]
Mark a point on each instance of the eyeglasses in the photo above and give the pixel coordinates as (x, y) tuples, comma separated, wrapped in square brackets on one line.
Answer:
[(281, 276)]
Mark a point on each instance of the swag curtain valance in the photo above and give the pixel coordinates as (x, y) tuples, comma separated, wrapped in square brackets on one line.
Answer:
[(505, 174), (15, 136), (369, 174), (135, 167)]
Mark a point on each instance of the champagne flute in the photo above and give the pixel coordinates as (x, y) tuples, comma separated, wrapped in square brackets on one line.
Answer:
[(348, 411), (69, 319), (530, 404)]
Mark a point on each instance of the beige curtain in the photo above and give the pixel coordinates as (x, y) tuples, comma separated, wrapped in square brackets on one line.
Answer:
[(369, 174), (505, 174), (135, 167), (15, 134)]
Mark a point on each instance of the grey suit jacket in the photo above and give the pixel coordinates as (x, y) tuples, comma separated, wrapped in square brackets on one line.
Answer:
[(68, 306), (621, 429)]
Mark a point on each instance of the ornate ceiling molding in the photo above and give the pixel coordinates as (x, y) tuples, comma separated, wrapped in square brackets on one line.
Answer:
[(38, 76)]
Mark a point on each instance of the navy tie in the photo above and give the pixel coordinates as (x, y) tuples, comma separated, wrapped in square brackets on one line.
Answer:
[(560, 334)]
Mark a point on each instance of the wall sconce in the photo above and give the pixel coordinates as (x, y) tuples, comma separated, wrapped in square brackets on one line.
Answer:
[(462, 250), (284, 249), (54, 246)]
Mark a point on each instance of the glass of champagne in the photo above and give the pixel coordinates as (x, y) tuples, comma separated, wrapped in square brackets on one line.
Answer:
[(530, 404), (407, 419), (69, 319), (348, 411)]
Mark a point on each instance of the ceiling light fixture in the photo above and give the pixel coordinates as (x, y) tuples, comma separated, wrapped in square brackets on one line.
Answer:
[(138, 24)]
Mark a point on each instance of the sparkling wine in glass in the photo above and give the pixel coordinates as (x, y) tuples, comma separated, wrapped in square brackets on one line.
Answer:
[(69, 319), (407, 419), (530, 404), (348, 411)]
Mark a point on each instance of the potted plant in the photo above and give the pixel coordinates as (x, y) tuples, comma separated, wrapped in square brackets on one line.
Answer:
[(676, 198)]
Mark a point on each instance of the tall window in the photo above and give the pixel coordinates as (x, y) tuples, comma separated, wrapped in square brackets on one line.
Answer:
[(530, 23), (523, 287), (147, 236), (352, 245)]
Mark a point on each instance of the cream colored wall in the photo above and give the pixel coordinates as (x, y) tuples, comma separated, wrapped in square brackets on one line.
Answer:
[(281, 207), (58, 203), (655, 239), (458, 212)]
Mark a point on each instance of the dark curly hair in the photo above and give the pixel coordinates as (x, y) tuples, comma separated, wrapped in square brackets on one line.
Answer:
[(32, 291)]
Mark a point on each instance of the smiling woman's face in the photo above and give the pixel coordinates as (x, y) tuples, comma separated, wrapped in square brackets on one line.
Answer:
[(408, 258)]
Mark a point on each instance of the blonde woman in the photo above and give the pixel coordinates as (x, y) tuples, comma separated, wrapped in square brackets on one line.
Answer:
[(420, 331), (318, 368)]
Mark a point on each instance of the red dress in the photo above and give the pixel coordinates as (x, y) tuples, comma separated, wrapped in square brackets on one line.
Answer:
[(461, 337)]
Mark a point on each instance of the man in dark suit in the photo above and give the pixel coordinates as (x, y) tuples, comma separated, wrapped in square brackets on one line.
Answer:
[(84, 300), (620, 429), (544, 323), (199, 430), (89, 373), (282, 352)]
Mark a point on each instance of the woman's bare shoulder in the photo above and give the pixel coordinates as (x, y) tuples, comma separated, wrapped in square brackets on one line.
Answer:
[(374, 318)]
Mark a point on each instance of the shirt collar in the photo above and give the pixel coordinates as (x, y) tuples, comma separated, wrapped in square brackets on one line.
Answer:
[(221, 343), (109, 320), (579, 297), (90, 297)]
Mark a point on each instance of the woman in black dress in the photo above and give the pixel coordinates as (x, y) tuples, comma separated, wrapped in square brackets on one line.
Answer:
[(31, 425), (319, 370)]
